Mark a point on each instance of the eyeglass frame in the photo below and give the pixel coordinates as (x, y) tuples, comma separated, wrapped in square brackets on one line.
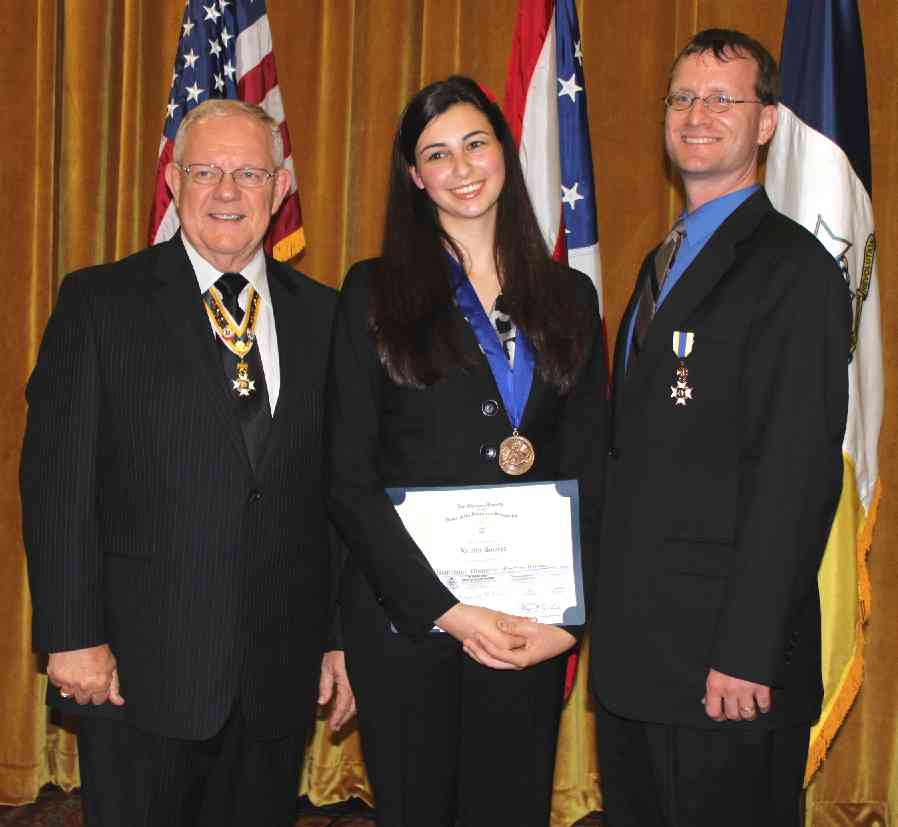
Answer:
[(730, 102), (231, 172)]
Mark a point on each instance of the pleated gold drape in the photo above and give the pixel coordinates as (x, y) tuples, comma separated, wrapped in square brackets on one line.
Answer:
[(85, 85)]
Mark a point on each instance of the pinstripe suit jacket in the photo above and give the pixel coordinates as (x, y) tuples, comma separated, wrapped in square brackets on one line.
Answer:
[(144, 524)]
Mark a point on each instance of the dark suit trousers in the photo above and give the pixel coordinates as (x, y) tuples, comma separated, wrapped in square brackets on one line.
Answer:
[(446, 738), (136, 778), (663, 775)]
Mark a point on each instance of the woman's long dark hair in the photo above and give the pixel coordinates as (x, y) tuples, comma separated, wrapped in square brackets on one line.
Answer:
[(411, 315)]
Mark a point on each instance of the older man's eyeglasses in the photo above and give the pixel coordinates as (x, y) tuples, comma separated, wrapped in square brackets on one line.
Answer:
[(208, 175), (681, 102)]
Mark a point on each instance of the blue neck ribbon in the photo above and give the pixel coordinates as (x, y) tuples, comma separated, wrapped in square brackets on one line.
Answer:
[(513, 382)]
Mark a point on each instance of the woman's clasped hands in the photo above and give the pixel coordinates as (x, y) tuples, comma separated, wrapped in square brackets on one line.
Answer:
[(503, 641)]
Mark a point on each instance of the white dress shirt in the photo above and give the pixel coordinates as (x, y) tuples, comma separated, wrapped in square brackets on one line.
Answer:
[(266, 335)]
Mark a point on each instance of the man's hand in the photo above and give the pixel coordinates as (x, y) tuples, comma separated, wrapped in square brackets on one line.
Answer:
[(465, 623), (732, 698), (89, 675), (541, 642), (334, 684)]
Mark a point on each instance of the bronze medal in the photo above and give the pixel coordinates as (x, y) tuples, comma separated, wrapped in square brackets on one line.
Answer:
[(516, 454)]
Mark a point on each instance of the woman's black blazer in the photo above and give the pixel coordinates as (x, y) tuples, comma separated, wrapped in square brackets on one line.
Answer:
[(383, 434)]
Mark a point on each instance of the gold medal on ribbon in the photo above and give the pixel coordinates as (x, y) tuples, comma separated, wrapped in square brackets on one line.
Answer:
[(239, 339), (516, 454)]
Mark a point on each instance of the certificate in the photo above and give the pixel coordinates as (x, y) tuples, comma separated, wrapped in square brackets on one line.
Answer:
[(514, 548)]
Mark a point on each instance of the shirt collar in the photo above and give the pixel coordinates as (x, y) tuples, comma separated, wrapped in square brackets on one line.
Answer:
[(702, 223), (206, 275)]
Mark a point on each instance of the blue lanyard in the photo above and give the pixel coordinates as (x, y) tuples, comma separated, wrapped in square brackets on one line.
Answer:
[(513, 383)]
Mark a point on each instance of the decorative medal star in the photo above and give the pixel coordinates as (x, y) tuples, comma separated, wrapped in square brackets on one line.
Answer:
[(681, 392), (244, 387)]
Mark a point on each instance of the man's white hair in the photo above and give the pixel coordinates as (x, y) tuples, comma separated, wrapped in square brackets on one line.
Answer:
[(222, 108)]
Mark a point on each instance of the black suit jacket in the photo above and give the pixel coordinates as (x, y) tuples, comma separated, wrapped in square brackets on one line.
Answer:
[(144, 523), (718, 511), (383, 434)]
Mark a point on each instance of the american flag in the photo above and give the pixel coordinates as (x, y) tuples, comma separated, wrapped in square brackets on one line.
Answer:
[(545, 103), (225, 51)]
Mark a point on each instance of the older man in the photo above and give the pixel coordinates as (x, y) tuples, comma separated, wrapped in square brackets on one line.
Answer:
[(172, 501), (730, 395)]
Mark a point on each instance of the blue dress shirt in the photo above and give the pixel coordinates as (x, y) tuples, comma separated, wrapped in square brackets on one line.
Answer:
[(700, 226)]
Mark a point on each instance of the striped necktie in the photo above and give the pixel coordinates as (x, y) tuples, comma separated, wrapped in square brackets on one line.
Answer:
[(652, 286)]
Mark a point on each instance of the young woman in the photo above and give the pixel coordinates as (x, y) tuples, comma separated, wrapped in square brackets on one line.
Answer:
[(452, 726)]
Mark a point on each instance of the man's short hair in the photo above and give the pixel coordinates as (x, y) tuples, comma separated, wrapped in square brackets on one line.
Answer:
[(221, 108), (725, 44)]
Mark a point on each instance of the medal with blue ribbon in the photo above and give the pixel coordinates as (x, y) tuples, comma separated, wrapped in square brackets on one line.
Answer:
[(516, 452), (680, 392)]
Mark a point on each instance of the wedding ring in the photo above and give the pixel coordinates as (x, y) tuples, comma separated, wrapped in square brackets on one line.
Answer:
[(64, 694), (747, 710)]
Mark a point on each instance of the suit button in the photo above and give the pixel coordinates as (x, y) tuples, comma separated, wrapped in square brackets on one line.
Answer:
[(612, 453), (255, 495), (489, 408), (489, 452)]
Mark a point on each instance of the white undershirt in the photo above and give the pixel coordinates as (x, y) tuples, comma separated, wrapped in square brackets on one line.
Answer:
[(266, 334)]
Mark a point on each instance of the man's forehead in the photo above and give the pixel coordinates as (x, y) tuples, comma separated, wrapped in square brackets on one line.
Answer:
[(733, 63), (237, 130)]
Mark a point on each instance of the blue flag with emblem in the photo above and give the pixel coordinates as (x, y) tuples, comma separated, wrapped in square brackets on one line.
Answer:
[(819, 173)]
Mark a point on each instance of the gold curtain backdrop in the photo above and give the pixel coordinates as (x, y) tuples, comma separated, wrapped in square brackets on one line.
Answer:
[(86, 83)]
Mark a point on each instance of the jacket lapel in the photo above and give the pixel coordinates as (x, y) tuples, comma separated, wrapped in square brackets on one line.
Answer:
[(181, 305), (619, 368), (702, 276)]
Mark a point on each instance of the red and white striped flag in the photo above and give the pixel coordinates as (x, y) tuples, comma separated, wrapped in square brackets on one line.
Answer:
[(545, 104), (225, 51)]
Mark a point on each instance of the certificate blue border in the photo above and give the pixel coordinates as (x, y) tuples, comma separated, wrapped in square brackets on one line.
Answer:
[(573, 615)]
